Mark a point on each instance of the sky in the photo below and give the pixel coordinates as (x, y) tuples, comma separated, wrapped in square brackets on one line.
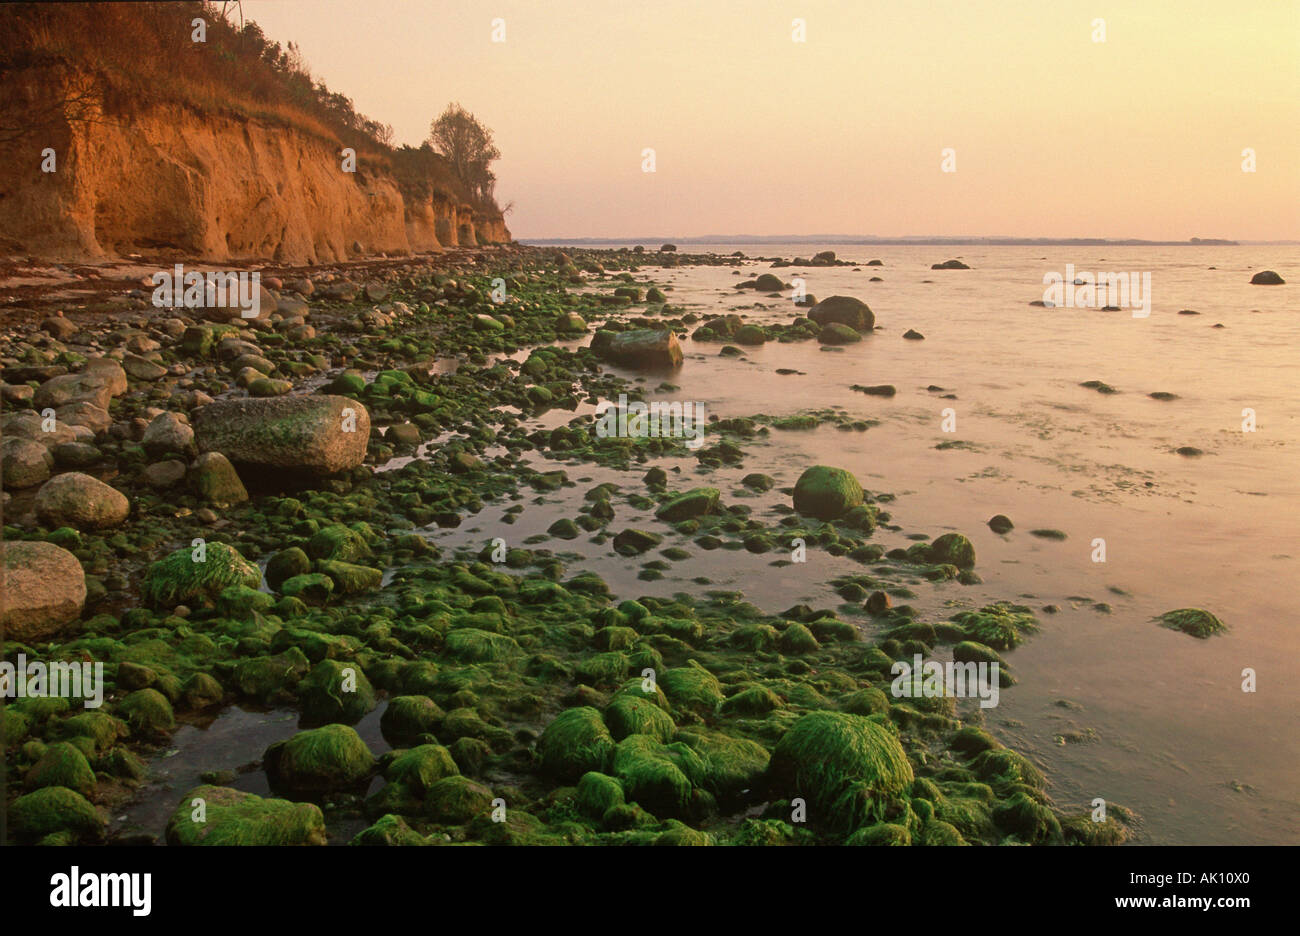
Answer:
[(1052, 133)]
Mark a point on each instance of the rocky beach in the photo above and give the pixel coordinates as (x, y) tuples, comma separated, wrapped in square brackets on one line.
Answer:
[(268, 513)]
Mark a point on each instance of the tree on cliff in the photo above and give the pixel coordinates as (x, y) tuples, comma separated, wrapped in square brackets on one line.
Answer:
[(467, 145)]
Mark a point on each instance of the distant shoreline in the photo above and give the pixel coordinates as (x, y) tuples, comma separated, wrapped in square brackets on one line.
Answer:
[(901, 241)]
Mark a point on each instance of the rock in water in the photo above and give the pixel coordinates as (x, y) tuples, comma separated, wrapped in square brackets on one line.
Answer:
[(1194, 621), (1001, 523), (838, 334), (78, 500), (643, 347), (843, 310), (44, 590), (949, 265), (319, 435), (1267, 278), (826, 493)]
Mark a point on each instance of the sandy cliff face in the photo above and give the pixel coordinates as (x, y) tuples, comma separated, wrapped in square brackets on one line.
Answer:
[(218, 188)]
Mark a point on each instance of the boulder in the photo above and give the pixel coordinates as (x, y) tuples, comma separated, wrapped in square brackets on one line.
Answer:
[(80, 501), (1266, 278), (643, 347), (168, 434), (215, 480), (44, 590), (100, 381), (949, 265), (24, 463), (768, 282), (826, 493), (844, 310), (318, 435)]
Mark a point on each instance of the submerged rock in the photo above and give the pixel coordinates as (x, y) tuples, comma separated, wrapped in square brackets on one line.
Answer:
[(316, 434), (1266, 278), (44, 590), (949, 265)]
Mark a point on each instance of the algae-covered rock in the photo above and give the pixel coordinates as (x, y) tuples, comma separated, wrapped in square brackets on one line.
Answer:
[(319, 434), (197, 573), (55, 809), (348, 577), (1028, 820), (474, 645), (826, 493), (285, 565), (597, 793), (313, 588), (148, 713), (338, 542), (694, 503), (216, 480), (62, 765), (1001, 626), (837, 334), (330, 758), (419, 768), (627, 715), (44, 590), (656, 775), (953, 549), (456, 800), (692, 688), (575, 742), (215, 815), (827, 757), (408, 717), (388, 830), (1193, 621), (882, 833), (731, 765), (336, 692)]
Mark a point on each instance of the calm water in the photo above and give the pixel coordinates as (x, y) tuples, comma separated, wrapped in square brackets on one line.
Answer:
[(1176, 738)]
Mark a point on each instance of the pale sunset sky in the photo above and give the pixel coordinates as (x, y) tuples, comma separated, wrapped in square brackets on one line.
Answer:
[(1055, 135)]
